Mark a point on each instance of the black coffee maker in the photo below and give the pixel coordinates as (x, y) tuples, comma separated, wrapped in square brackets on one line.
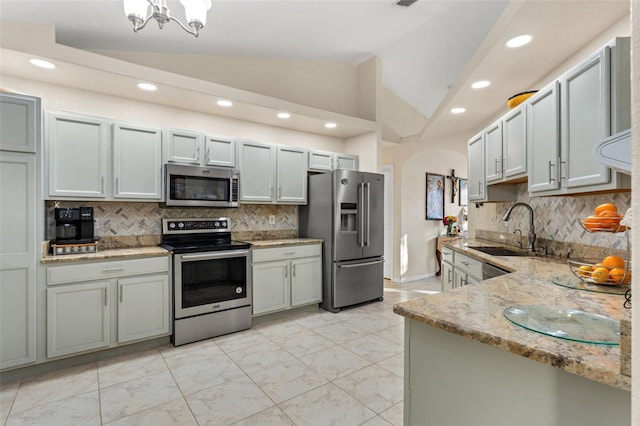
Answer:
[(74, 225)]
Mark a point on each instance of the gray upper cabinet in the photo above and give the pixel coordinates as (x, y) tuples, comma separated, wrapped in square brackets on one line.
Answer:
[(257, 172), (220, 151), (493, 150), (572, 115), (476, 182), (76, 155), (19, 122), (184, 146), (137, 162), (543, 138), (321, 161), (514, 144), (346, 161), (291, 175)]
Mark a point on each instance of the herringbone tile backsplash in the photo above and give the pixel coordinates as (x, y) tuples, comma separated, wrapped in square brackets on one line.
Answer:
[(558, 218), (129, 219)]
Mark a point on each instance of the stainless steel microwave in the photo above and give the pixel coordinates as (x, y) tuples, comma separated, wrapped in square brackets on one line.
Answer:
[(193, 186)]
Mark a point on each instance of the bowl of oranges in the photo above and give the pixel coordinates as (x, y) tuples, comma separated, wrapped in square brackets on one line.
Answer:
[(612, 270), (605, 218)]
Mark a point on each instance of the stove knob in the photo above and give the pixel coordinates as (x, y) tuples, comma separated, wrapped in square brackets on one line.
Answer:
[(180, 224), (216, 224), (223, 224), (172, 225)]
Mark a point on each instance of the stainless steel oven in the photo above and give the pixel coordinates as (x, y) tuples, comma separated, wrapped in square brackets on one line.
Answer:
[(211, 279)]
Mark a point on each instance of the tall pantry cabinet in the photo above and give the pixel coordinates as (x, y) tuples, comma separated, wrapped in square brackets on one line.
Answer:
[(20, 135)]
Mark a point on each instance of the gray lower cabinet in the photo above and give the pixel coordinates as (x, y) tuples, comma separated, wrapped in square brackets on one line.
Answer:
[(459, 269), (286, 277), (18, 254), (96, 305)]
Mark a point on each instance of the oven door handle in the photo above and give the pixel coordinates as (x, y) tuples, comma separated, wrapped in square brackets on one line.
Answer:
[(216, 255)]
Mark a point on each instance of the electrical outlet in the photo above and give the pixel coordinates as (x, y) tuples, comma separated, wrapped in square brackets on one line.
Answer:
[(96, 223), (272, 219)]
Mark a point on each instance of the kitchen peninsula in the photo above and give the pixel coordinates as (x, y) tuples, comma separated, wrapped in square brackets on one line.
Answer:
[(465, 363)]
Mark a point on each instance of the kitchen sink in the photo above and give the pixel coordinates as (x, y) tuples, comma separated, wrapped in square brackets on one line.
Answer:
[(500, 251)]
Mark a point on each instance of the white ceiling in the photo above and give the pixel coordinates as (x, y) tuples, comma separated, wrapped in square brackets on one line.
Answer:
[(429, 51)]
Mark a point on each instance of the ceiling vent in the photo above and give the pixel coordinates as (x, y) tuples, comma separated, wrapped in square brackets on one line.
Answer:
[(406, 3)]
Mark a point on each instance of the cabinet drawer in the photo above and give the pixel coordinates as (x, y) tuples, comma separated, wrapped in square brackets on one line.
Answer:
[(447, 255), (288, 252), (102, 270), (469, 265)]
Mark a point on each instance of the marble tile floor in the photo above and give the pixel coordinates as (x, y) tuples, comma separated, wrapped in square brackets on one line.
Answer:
[(301, 367)]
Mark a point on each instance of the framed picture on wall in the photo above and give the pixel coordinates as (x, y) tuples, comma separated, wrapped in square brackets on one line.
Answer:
[(435, 197), (463, 191)]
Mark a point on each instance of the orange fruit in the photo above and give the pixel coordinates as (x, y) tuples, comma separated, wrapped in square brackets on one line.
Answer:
[(608, 213), (585, 270), (618, 276), (613, 262), (600, 275), (606, 206), (592, 223)]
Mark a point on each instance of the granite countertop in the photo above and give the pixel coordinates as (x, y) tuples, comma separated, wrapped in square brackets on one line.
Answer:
[(284, 242), (109, 254), (476, 312)]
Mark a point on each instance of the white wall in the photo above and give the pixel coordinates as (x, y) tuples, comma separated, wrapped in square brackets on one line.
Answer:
[(81, 101), (367, 146), (325, 85)]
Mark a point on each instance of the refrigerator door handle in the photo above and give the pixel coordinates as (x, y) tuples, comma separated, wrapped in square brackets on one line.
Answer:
[(356, 265), (368, 217), (361, 212)]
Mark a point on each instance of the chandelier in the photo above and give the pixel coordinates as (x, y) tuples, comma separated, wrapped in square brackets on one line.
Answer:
[(137, 11)]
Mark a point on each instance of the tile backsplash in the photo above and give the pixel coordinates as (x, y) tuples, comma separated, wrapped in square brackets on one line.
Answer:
[(122, 219), (558, 218)]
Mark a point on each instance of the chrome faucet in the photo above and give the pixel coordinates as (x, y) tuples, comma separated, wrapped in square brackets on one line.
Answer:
[(520, 237), (532, 230)]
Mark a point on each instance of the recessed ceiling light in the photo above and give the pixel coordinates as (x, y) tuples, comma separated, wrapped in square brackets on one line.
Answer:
[(284, 115), (330, 125), (147, 86), (42, 63), (480, 84), (224, 103), (518, 41), (458, 110)]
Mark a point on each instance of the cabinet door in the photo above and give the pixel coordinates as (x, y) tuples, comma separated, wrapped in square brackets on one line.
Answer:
[(477, 183), (514, 143), (76, 155), (585, 121), (543, 139), (306, 281), (220, 152), (270, 286), (77, 318), (184, 146), (17, 259), (321, 160), (493, 149), (257, 172), (137, 162), (292, 167), (19, 122), (346, 161), (447, 276), (143, 307)]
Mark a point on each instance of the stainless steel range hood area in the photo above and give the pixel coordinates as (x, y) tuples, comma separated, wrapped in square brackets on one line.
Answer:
[(615, 152)]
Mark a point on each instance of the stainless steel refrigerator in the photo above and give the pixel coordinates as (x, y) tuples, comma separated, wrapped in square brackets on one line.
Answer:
[(346, 209)]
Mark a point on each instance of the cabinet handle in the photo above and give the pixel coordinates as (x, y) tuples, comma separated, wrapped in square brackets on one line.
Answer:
[(102, 185), (197, 153), (565, 168), (208, 153), (112, 269), (465, 263), (285, 271), (293, 270), (105, 296), (117, 186), (289, 253), (449, 276), (497, 159), (480, 188), (551, 178), (271, 192), (279, 192), (120, 292)]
